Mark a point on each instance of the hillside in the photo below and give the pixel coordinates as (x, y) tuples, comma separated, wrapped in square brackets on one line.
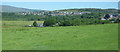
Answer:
[(6, 8), (91, 37), (93, 10)]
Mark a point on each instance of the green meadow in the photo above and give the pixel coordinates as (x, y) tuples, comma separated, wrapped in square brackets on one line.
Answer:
[(86, 37)]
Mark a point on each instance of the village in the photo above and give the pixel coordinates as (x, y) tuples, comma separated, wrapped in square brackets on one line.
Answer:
[(52, 13), (105, 17)]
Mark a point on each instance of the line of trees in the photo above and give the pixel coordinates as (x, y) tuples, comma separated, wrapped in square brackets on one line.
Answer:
[(75, 22)]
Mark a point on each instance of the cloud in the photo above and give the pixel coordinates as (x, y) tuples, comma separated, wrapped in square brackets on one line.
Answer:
[(60, 0)]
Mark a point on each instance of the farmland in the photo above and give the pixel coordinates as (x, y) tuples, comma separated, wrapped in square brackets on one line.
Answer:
[(86, 37)]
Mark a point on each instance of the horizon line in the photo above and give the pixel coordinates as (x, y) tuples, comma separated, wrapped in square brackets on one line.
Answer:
[(67, 1), (61, 9)]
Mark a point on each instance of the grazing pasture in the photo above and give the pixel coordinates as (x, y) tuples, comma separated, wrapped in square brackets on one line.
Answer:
[(18, 23), (86, 37)]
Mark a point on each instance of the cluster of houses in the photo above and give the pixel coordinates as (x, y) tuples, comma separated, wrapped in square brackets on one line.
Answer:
[(31, 13), (67, 13), (53, 13), (114, 16)]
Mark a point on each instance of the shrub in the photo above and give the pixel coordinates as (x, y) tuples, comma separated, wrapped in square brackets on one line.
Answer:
[(49, 22), (35, 24), (67, 23), (107, 16)]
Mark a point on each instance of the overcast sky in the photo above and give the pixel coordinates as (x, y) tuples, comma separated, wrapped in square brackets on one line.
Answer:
[(60, 0)]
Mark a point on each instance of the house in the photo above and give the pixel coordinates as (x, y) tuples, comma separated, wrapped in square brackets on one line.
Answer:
[(58, 23), (103, 19), (28, 26), (112, 21), (40, 25), (109, 18)]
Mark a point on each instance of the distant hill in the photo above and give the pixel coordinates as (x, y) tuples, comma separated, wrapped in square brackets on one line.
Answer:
[(6, 8), (93, 10)]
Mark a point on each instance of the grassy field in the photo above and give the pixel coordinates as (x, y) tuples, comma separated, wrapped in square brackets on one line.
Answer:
[(18, 23), (89, 37)]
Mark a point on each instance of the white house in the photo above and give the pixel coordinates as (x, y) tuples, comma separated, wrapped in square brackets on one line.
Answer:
[(103, 19)]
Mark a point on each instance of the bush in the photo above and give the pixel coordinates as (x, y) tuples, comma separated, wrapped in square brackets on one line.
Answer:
[(67, 23), (35, 24), (49, 22), (107, 16)]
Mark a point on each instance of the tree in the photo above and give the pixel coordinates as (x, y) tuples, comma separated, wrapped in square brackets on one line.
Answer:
[(107, 16), (35, 24), (67, 23), (76, 22), (49, 22), (117, 21), (38, 19)]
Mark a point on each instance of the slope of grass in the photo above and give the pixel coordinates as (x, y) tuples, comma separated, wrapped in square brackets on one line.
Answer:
[(89, 37), (18, 23)]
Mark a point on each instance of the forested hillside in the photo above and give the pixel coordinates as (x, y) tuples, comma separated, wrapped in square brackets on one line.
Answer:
[(93, 10), (6, 8)]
